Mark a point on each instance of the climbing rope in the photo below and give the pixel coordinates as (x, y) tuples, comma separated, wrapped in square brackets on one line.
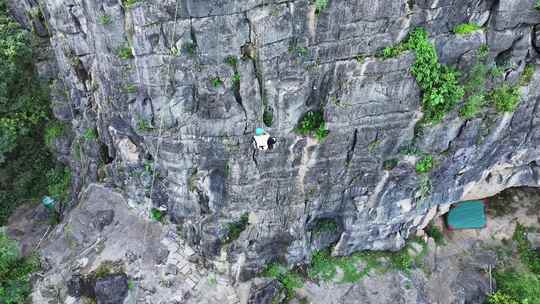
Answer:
[(158, 146)]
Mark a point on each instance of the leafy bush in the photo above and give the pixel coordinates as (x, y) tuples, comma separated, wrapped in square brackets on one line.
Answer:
[(236, 79), (24, 112), (324, 225), (505, 98), (528, 256), (89, 134), (537, 5), (472, 105), (124, 52), (156, 214), (527, 74), (435, 233), (500, 298), (231, 60), (129, 3), (312, 123), (58, 183), (268, 117), (424, 164), (320, 5), (236, 228), (15, 272), (215, 81), (522, 287), (288, 279), (466, 28), (390, 164), (438, 82), (53, 130), (104, 19)]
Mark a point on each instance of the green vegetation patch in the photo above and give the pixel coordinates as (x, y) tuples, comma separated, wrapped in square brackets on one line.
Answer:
[(313, 124), (518, 282), (157, 215), (527, 74), (124, 52), (320, 5), (324, 225), (424, 164), (15, 272), (439, 84), (58, 183), (236, 228), (268, 116), (24, 115), (89, 134), (289, 279), (216, 81), (129, 3), (435, 233), (104, 19), (465, 28), (53, 130), (505, 98), (537, 5)]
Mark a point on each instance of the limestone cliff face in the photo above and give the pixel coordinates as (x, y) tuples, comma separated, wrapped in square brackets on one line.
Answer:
[(156, 80)]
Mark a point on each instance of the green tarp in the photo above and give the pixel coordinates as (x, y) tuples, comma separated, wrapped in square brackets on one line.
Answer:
[(467, 215)]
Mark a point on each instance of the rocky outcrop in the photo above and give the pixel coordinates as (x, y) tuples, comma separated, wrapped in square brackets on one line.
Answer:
[(175, 114)]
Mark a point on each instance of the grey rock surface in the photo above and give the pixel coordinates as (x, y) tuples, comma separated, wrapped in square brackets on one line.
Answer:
[(169, 137), (111, 289)]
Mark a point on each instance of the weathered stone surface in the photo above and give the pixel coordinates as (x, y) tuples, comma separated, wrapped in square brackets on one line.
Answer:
[(111, 289), (179, 139)]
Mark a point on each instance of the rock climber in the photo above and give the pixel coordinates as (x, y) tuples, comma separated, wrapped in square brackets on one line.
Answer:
[(262, 140)]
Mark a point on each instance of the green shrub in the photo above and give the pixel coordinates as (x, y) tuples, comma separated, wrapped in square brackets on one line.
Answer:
[(156, 214), (324, 225), (523, 287), (231, 60), (288, 279), (424, 164), (124, 52), (268, 117), (390, 164), (15, 272), (500, 298), (537, 5), (104, 19), (236, 228), (89, 134), (466, 28), (320, 5), (393, 51), (472, 105), (528, 256), (129, 3), (505, 98), (215, 81), (24, 112), (236, 79), (58, 183), (527, 74), (312, 123), (435, 233), (438, 82), (52, 131)]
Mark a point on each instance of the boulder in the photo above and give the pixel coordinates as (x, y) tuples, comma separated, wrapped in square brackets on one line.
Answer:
[(111, 289)]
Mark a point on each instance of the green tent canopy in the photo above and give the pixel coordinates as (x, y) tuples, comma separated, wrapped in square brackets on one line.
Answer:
[(467, 215)]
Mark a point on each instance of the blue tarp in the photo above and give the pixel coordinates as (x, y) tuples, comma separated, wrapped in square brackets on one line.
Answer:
[(467, 215)]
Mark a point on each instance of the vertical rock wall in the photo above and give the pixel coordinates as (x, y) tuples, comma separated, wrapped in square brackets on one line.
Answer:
[(156, 80)]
